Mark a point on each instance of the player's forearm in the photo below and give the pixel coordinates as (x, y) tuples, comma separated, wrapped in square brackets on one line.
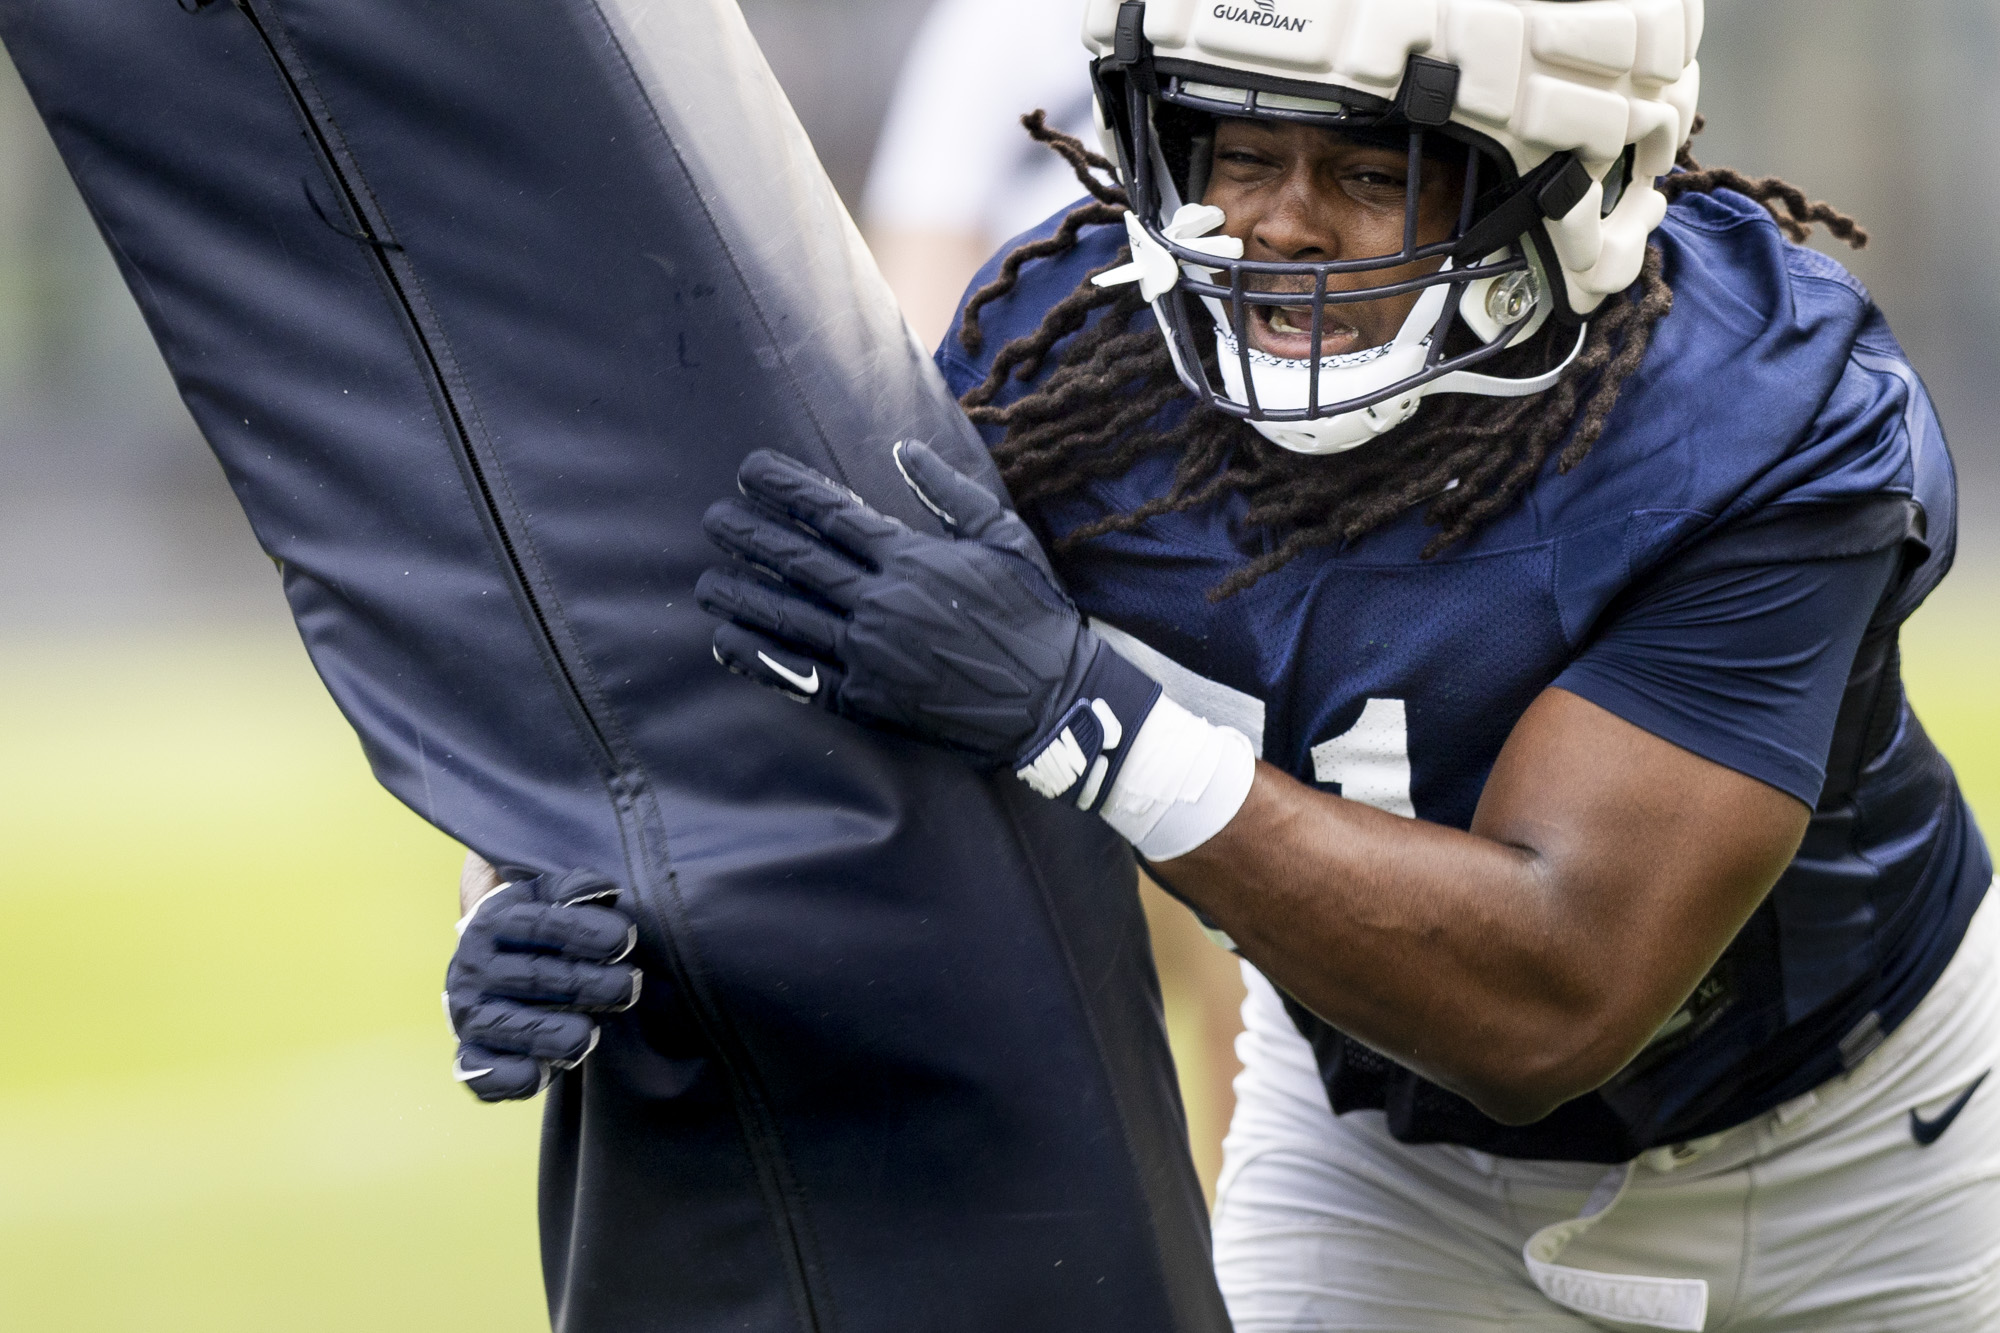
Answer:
[(1521, 963), (1455, 954)]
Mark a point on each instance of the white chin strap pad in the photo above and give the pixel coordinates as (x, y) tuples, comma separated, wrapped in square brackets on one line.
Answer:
[(1348, 430), (1285, 384), (1338, 434)]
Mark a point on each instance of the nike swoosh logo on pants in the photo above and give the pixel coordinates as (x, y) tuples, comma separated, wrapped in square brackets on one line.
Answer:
[(1927, 1132)]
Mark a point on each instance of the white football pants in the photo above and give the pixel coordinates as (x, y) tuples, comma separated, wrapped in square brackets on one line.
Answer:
[(1825, 1215)]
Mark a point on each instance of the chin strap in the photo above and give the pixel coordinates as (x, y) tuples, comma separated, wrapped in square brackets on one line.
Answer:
[(1338, 432), (1155, 270), (1495, 386)]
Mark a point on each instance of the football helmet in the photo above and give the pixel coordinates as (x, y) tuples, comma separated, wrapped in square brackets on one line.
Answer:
[(1559, 114)]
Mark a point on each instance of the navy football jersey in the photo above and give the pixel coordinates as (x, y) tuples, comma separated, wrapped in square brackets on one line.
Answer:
[(1727, 570)]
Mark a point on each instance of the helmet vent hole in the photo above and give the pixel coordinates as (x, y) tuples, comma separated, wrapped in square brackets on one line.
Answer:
[(1617, 179)]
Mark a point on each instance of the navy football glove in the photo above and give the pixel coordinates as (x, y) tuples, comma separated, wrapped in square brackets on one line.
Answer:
[(535, 959), (963, 640)]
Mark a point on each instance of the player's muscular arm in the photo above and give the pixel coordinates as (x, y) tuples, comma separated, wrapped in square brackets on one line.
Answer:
[(1522, 963), (1525, 962)]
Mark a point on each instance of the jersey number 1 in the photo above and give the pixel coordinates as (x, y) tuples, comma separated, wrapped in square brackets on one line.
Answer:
[(1371, 759)]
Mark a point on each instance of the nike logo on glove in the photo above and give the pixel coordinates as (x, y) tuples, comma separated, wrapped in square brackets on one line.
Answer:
[(806, 685), (464, 1075), (1927, 1132)]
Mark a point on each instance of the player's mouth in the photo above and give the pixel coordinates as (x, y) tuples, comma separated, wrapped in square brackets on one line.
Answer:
[(1286, 331)]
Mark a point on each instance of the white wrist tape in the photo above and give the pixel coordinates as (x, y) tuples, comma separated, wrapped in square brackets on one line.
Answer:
[(1184, 779)]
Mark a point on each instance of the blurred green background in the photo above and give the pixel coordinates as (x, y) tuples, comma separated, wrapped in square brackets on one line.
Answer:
[(225, 1101)]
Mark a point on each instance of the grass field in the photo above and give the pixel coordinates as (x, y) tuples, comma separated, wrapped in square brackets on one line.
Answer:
[(225, 1103)]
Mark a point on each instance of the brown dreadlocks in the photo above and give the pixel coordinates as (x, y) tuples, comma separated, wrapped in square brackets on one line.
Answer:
[(1088, 421)]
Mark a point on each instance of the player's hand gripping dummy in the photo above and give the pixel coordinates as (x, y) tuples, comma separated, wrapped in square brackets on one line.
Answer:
[(537, 958), (964, 640)]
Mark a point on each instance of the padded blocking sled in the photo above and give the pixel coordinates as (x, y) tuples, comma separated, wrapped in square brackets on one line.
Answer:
[(480, 302)]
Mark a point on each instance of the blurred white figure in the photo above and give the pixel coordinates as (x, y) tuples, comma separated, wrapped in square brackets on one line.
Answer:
[(955, 175)]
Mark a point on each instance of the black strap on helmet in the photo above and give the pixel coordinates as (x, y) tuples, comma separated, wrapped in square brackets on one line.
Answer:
[(1551, 190)]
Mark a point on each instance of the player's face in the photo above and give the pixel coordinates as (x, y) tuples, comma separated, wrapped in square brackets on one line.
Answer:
[(1303, 194)]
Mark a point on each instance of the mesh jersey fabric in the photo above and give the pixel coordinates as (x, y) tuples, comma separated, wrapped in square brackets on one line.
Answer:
[(1774, 465), (1738, 659)]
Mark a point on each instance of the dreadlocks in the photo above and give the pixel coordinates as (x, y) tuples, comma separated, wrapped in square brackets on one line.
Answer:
[(1466, 458), (1799, 215)]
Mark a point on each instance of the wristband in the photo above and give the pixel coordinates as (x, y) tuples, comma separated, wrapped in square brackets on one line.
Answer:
[(1184, 778)]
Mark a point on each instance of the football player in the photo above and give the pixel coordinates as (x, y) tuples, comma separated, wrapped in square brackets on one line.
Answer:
[(1481, 550)]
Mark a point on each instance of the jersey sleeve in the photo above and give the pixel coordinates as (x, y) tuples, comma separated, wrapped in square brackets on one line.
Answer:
[(1740, 653)]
